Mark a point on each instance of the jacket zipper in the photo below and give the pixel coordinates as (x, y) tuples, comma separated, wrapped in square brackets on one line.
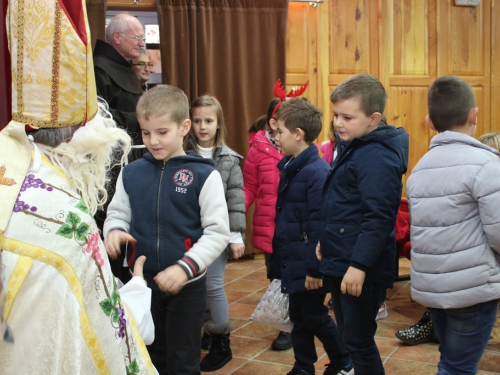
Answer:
[(302, 227), (158, 218)]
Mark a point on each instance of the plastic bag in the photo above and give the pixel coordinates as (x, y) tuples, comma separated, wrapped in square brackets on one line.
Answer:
[(273, 308)]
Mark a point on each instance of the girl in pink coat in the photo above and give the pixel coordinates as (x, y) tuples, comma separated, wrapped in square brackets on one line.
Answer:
[(261, 179)]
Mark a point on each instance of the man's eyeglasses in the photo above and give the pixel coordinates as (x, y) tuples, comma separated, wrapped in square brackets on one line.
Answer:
[(138, 38), (142, 64)]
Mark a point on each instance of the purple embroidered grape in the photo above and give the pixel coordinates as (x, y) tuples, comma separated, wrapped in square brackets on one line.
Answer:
[(30, 182), (123, 322), (21, 205)]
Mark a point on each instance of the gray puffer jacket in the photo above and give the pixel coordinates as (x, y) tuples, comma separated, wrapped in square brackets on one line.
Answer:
[(227, 163), (454, 199)]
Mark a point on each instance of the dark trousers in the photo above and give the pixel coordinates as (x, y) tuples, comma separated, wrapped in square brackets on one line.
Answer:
[(178, 320), (357, 325), (310, 318), (463, 335)]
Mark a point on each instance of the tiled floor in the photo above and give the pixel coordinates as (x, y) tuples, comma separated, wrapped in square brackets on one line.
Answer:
[(245, 283)]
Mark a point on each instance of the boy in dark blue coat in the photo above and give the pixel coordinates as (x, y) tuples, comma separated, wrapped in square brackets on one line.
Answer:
[(360, 201), (302, 175)]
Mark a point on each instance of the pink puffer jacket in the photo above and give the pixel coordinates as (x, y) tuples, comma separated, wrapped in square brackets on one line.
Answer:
[(261, 179)]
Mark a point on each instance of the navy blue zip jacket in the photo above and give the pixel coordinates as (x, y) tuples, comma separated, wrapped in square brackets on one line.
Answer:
[(361, 198), (298, 220), (176, 211)]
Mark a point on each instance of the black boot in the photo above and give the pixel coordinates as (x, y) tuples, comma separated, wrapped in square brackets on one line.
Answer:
[(219, 354), (206, 340), (418, 333)]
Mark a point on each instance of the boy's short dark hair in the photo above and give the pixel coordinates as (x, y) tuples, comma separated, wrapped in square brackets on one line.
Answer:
[(299, 113), (162, 100), (367, 88), (450, 100)]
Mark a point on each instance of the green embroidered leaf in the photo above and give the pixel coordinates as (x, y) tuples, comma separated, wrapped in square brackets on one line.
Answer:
[(107, 306), (115, 297), (115, 315), (65, 231), (133, 368), (81, 206), (73, 220), (81, 231)]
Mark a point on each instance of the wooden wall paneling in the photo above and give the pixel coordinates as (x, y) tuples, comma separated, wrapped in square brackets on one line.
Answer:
[(131, 5), (352, 43), (301, 58), (408, 60), (352, 26), (323, 63), (409, 108), (495, 66), (465, 51)]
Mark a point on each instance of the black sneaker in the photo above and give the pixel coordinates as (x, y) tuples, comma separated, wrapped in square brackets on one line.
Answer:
[(297, 372), (282, 342), (339, 370), (418, 333)]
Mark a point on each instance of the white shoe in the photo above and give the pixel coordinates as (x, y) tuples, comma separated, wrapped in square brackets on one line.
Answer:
[(382, 312)]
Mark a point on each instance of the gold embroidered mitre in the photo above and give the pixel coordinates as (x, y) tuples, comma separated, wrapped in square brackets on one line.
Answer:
[(53, 82)]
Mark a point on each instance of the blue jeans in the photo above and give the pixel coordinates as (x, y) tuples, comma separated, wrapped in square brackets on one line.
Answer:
[(357, 325), (463, 335), (310, 318)]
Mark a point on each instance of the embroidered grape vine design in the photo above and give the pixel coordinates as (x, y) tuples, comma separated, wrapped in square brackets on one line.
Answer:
[(74, 228)]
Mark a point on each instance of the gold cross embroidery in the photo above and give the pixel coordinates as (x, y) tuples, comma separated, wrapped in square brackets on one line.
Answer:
[(5, 180)]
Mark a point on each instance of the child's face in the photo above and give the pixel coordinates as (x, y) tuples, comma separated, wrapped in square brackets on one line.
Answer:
[(205, 125), (163, 137), (287, 139), (350, 121)]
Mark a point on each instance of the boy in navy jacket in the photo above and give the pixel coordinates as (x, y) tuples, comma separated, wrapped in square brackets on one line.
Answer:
[(170, 207), (302, 175), (361, 196)]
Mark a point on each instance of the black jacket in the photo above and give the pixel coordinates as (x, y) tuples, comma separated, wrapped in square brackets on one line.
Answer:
[(117, 83)]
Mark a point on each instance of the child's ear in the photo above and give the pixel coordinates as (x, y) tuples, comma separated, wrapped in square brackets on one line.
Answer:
[(272, 124), (375, 118), (299, 134), (429, 123), (185, 126), (473, 116)]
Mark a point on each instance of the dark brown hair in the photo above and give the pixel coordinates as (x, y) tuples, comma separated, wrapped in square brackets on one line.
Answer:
[(299, 113), (367, 88), (450, 100)]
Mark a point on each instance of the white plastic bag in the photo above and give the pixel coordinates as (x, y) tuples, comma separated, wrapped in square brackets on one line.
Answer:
[(273, 308)]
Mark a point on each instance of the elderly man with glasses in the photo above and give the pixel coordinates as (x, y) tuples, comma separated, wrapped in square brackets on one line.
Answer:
[(116, 80), (117, 83)]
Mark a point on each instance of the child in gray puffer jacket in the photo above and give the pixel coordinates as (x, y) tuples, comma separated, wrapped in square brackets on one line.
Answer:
[(453, 195)]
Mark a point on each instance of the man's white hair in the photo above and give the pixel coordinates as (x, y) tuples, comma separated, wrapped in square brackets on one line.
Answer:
[(88, 156), (118, 24)]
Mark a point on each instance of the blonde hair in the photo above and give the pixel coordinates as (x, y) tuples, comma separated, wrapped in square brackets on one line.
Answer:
[(491, 139), (163, 100), (87, 158), (220, 134)]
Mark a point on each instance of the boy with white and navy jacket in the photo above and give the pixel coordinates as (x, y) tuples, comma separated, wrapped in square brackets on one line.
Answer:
[(170, 207)]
